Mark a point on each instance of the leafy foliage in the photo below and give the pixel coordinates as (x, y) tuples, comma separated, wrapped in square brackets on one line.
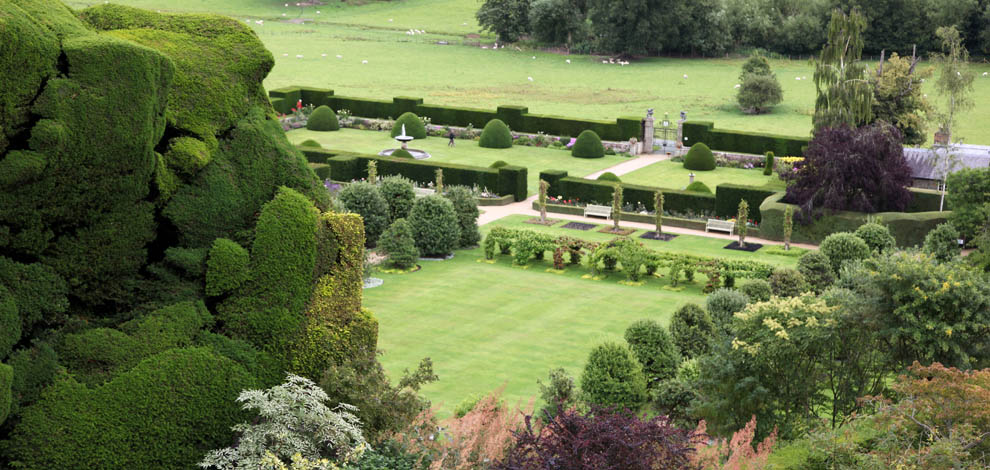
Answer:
[(852, 169), (969, 198), (323, 119), (787, 282), (293, 419), (699, 158), (692, 330), (758, 93), (398, 193), (559, 393), (613, 378), (365, 200), (845, 98), (227, 267), (508, 19), (722, 304), (876, 236), (655, 349), (758, 290), (599, 440), (466, 207), (400, 246), (943, 242), (588, 145), (435, 225), (899, 100), (495, 135), (842, 247), (817, 270), (736, 453)]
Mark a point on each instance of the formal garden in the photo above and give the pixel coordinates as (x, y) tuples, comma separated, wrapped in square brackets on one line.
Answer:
[(443, 234)]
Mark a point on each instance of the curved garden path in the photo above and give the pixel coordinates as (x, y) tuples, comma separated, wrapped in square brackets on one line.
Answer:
[(492, 213)]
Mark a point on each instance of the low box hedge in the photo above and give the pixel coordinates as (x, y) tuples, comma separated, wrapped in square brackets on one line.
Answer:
[(908, 228), (727, 197)]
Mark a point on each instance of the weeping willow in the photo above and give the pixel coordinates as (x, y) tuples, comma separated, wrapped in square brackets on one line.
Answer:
[(845, 95)]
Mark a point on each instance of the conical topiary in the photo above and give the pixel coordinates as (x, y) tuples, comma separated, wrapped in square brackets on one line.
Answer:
[(588, 145), (414, 126), (398, 243), (496, 135), (699, 158), (323, 119)]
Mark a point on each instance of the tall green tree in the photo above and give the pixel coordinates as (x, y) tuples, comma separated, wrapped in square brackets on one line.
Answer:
[(633, 28), (897, 97), (955, 80), (844, 93), (508, 19)]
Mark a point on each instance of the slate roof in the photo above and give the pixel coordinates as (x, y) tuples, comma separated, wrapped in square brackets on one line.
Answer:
[(924, 166)]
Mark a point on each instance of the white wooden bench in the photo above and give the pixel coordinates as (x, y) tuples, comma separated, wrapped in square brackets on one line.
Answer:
[(598, 211), (721, 225), (420, 192)]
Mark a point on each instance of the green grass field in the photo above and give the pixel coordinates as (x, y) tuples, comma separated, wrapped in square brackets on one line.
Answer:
[(487, 325), (465, 152), (467, 75), (668, 174)]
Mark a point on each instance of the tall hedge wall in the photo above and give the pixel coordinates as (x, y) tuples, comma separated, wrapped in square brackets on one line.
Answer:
[(727, 197), (743, 142), (517, 117), (600, 192), (347, 166), (908, 228)]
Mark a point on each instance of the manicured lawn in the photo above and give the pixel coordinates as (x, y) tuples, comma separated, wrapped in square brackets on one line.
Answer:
[(464, 74), (485, 325), (668, 174), (465, 152)]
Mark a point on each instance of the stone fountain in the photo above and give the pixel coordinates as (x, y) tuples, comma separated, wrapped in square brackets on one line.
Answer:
[(404, 139)]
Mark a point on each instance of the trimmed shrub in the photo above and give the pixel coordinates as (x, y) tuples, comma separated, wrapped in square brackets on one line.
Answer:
[(323, 119), (365, 200), (843, 246), (227, 267), (402, 153), (727, 197), (496, 135), (768, 164), (466, 207), (787, 282), (400, 246), (399, 195), (613, 378), (699, 158), (817, 270), (186, 399), (435, 226), (588, 145), (498, 164), (722, 304), (609, 176), (943, 242), (758, 290), (310, 143), (512, 180), (414, 126), (876, 236), (654, 349), (692, 330), (698, 187)]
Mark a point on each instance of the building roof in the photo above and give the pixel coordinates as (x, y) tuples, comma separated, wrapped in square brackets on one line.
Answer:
[(925, 166)]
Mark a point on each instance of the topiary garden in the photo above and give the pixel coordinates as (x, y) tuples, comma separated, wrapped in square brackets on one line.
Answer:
[(699, 158), (496, 135), (323, 119), (588, 145)]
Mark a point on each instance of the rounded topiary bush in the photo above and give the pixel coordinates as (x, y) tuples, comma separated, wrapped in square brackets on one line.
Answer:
[(402, 153), (943, 242), (399, 195), (323, 119), (466, 207), (693, 330), (414, 126), (588, 145), (400, 246), (613, 378), (787, 282), (496, 135), (699, 158), (310, 143), (723, 304), (817, 270), (841, 247), (227, 267), (609, 176), (366, 200), (698, 187), (435, 226), (876, 236), (655, 350), (758, 290), (498, 164)]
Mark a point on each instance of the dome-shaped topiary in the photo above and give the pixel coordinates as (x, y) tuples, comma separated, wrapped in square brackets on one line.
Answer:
[(876, 236), (841, 247), (401, 153), (498, 164), (699, 158), (588, 145), (496, 135), (698, 187), (310, 143), (942, 243), (323, 119), (414, 126), (435, 225), (609, 176), (614, 378)]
